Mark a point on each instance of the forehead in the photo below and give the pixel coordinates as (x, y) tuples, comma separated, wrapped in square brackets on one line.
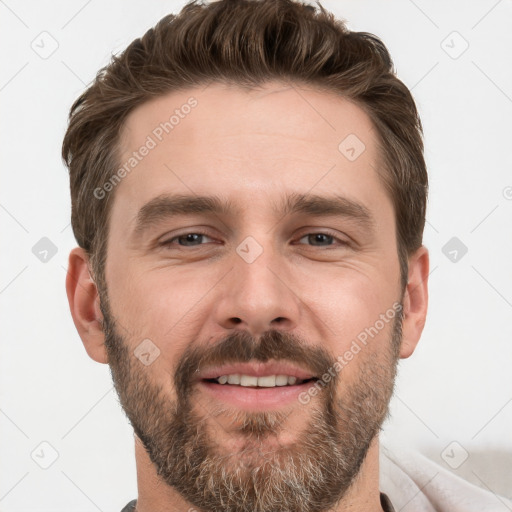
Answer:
[(247, 144)]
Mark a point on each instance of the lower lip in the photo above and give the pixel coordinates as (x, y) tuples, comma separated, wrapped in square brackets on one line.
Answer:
[(253, 399)]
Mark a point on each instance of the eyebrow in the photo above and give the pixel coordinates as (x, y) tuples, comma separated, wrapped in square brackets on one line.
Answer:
[(166, 206)]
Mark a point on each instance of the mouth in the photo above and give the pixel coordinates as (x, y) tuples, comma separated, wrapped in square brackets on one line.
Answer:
[(256, 386), (266, 381)]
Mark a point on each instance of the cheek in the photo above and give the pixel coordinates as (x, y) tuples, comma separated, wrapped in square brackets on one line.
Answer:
[(347, 300), (359, 311), (163, 303)]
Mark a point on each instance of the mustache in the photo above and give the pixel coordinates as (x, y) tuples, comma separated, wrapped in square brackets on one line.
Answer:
[(242, 347)]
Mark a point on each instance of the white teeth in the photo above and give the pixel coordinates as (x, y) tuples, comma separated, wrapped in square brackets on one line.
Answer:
[(234, 379), (268, 381), (248, 380), (281, 380)]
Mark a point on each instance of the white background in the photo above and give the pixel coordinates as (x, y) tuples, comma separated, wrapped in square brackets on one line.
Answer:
[(458, 384)]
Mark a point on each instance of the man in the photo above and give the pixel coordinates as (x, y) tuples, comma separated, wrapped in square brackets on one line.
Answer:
[(248, 195)]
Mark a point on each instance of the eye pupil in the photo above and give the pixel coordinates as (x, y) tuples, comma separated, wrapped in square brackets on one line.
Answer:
[(190, 237), (319, 237)]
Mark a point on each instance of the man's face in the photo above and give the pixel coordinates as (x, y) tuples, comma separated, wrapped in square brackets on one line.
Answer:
[(253, 291)]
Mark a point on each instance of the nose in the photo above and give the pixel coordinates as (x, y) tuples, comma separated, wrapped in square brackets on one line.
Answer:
[(257, 296)]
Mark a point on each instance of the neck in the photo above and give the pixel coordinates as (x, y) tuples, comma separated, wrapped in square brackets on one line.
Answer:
[(155, 494)]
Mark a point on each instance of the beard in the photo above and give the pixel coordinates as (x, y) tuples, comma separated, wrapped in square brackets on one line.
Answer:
[(312, 475)]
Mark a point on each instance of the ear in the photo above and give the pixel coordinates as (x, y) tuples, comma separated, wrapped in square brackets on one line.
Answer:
[(84, 303), (415, 301)]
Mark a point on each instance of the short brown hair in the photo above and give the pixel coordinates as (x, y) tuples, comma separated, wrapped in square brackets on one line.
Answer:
[(245, 42)]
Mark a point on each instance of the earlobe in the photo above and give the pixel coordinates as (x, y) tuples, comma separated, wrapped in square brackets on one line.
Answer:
[(83, 301), (415, 301)]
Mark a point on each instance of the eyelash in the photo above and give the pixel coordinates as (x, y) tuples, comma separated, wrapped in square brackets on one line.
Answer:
[(169, 242)]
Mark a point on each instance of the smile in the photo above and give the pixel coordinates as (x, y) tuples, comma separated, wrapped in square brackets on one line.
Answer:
[(267, 381)]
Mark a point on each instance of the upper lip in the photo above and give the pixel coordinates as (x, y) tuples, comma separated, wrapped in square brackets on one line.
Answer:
[(256, 369)]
